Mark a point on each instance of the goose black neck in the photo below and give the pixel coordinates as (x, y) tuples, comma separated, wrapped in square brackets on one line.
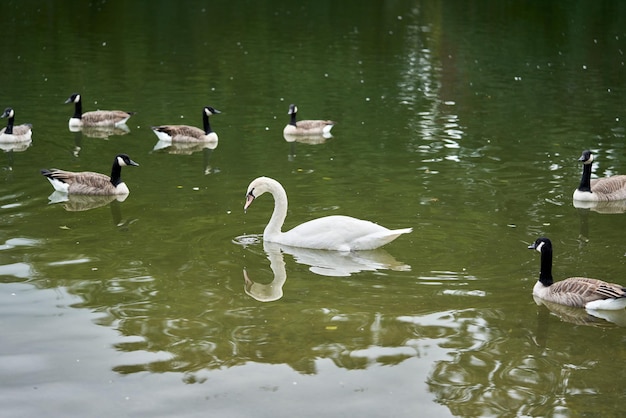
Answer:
[(545, 274), (78, 110), (293, 119), (585, 180), (205, 122), (116, 173), (9, 129)]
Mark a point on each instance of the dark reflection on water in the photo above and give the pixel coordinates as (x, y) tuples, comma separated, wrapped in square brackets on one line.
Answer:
[(546, 378)]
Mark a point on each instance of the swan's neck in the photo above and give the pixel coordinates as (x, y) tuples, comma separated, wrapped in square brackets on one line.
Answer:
[(545, 275), (292, 121), (78, 110), (205, 123), (116, 173), (279, 214), (585, 180)]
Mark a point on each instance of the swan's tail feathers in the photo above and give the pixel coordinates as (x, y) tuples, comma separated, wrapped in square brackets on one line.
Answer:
[(379, 239)]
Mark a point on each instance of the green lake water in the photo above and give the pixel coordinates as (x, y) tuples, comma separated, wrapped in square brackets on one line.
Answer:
[(462, 120)]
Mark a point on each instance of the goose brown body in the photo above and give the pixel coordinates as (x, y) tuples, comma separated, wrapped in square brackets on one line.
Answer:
[(95, 118), (601, 189), (89, 182), (186, 133), (306, 127), (579, 292), (14, 133)]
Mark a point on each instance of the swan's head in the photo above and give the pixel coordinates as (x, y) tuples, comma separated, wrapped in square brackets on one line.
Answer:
[(587, 157), (255, 189), (258, 186)]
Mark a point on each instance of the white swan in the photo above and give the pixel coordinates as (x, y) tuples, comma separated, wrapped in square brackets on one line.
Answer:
[(336, 232)]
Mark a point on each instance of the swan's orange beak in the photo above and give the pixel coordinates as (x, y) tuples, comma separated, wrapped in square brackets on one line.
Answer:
[(249, 199)]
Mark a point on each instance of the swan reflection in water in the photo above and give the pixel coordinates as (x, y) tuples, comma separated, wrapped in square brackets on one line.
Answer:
[(188, 148), (322, 262), (304, 139)]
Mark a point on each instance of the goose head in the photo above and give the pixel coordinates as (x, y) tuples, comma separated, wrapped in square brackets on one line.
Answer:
[(8, 113), (209, 111), (292, 109), (124, 160), (542, 245), (74, 98), (586, 157)]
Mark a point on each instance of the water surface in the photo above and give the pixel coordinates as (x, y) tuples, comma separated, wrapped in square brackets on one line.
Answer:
[(464, 123)]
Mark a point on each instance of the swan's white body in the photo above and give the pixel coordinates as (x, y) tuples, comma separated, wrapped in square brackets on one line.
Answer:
[(336, 232)]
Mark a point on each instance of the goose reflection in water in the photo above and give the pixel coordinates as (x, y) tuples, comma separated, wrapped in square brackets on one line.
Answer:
[(102, 132), (80, 203), (188, 148), (606, 207), (304, 139), (11, 148), (322, 262), (581, 316)]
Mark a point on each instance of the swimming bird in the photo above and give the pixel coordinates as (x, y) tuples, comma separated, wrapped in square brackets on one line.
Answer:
[(306, 127), (336, 232), (184, 133), (96, 117), (598, 190), (90, 183), (14, 133), (579, 292)]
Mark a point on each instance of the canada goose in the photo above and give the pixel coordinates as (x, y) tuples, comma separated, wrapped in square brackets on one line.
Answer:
[(184, 133), (579, 292), (597, 190), (90, 183), (97, 117), (306, 127), (336, 232), (14, 133)]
